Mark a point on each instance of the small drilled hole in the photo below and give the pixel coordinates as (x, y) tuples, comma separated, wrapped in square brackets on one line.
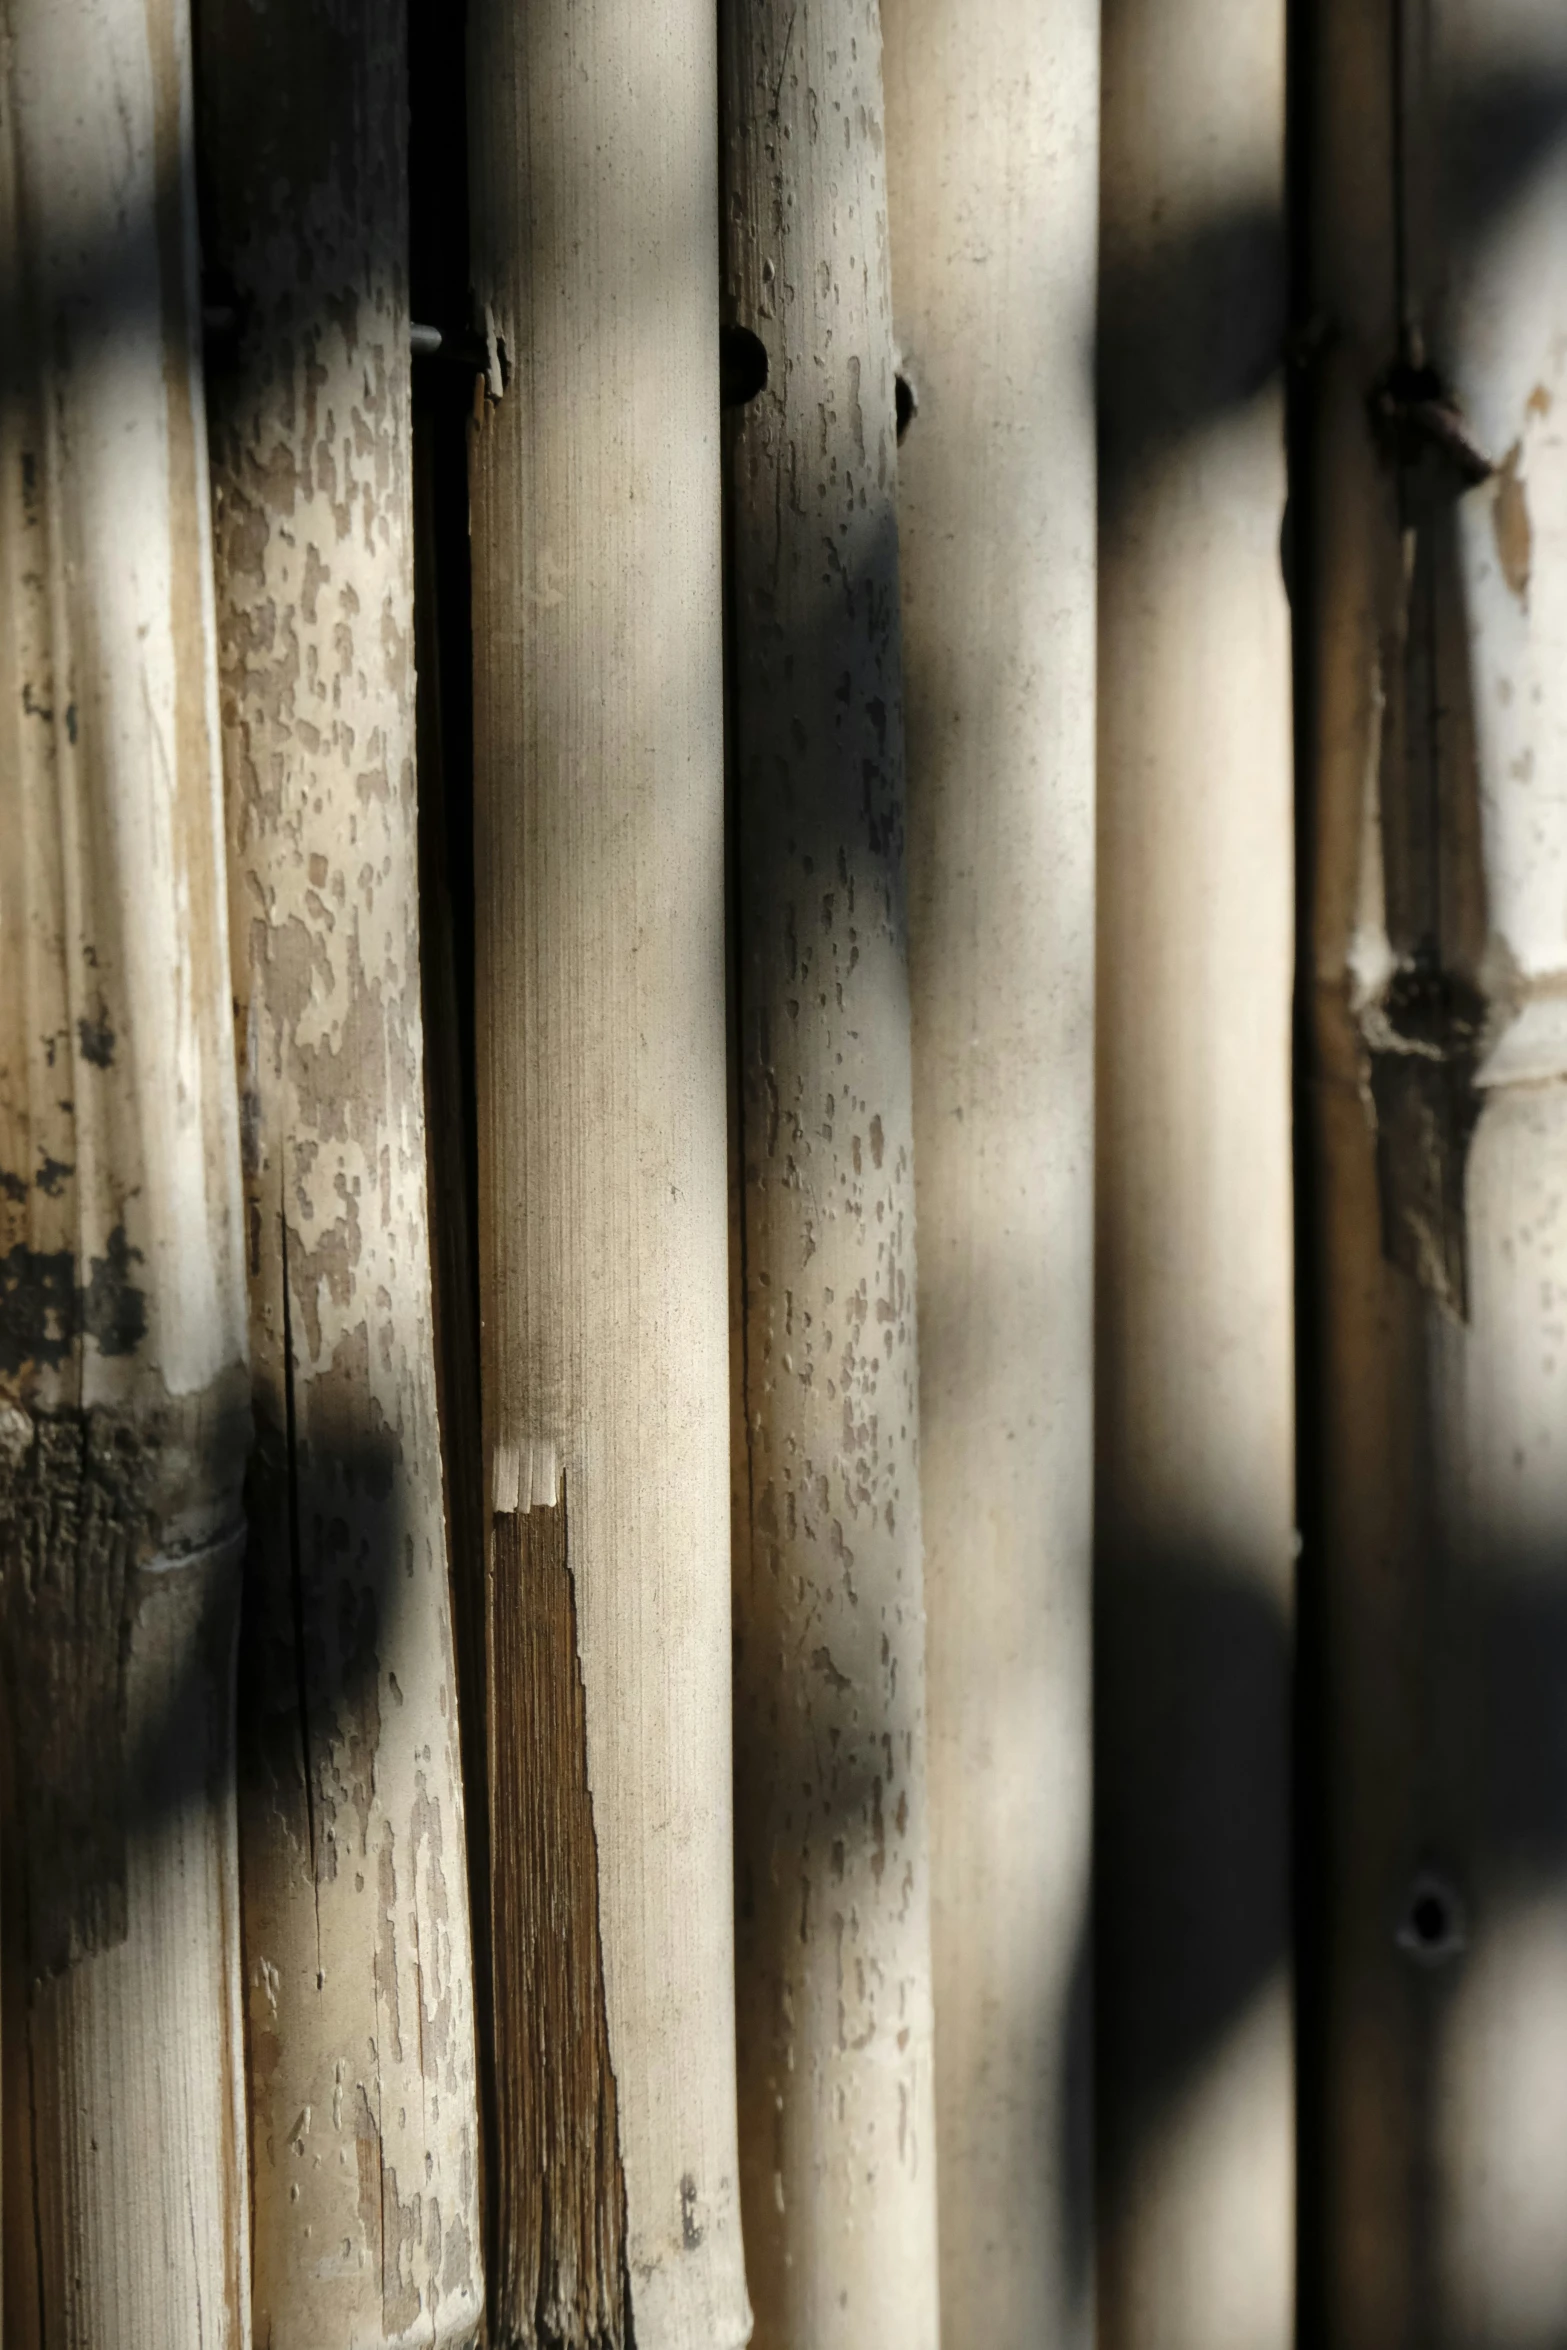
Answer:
[(906, 402), (1432, 1926), (1429, 1919), (742, 366)]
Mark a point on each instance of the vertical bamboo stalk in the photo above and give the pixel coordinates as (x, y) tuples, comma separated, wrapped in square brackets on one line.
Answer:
[(1368, 1511), (1194, 1444), (992, 166), (599, 850), (838, 2138), (123, 1397), (1438, 641), (358, 1970)]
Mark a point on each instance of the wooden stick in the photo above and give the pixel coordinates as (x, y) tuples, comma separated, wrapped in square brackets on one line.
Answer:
[(838, 2138), (358, 1966), (1194, 1372), (1437, 637), (123, 1395), (599, 835), (993, 118)]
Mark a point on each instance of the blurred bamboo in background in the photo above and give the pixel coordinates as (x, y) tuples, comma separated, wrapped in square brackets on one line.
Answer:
[(1194, 1444), (1435, 653), (993, 185)]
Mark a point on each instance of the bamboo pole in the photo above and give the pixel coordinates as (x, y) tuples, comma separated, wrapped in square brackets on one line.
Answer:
[(123, 1396), (599, 852), (993, 119), (358, 1969), (1365, 1496), (1194, 1444), (838, 2138), (1438, 646)]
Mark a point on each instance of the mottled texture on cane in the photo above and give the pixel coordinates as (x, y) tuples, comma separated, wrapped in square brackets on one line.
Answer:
[(74, 1490), (124, 1420), (364, 2118), (833, 1918)]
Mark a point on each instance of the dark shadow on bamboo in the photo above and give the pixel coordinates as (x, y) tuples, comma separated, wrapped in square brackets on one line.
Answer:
[(1203, 339), (443, 402), (1431, 1686)]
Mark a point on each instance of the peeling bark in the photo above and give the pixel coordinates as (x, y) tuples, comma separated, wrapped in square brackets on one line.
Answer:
[(993, 118), (837, 2126), (558, 2168), (599, 856), (123, 1398), (358, 1968)]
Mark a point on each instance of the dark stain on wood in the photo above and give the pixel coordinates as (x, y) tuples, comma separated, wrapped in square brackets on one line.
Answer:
[(559, 2276), (1511, 525), (74, 1495), (43, 1310)]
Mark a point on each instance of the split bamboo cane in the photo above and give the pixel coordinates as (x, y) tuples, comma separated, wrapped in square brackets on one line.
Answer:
[(123, 1395), (1438, 945), (837, 2120), (993, 188), (1195, 1437), (602, 1109), (358, 1972)]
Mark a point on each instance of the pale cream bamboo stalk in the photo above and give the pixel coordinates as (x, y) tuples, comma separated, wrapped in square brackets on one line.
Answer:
[(1195, 1438), (1438, 638), (123, 1395), (837, 2121), (993, 190), (358, 1969), (599, 831), (1501, 2082)]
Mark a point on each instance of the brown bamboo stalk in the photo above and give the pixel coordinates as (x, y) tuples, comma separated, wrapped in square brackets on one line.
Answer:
[(1368, 1498), (123, 1396), (599, 825), (1437, 635), (837, 2123), (1195, 1437), (358, 1971), (993, 119)]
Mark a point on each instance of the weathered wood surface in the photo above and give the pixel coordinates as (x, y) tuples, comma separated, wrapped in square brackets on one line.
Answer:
[(599, 850), (123, 1397), (1194, 1372), (1437, 971), (993, 191), (833, 1882), (363, 2109)]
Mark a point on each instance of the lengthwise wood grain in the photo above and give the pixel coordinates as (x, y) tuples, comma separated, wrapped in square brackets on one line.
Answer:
[(561, 2259), (123, 1395), (833, 1881), (363, 2110), (603, 1234)]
